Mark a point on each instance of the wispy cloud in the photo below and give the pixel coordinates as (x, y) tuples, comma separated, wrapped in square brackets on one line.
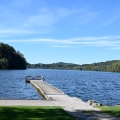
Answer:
[(115, 48), (47, 17), (86, 17), (42, 21), (111, 20), (104, 41), (19, 32), (15, 31), (61, 46), (20, 3)]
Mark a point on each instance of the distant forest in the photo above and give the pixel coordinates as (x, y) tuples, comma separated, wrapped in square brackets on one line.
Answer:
[(10, 58), (109, 66)]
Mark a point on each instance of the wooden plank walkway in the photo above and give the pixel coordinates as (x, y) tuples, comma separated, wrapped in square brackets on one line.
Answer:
[(46, 88)]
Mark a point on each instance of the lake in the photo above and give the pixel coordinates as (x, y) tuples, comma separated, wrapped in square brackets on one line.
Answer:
[(104, 87)]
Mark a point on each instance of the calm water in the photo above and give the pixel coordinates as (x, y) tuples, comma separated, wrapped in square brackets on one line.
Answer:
[(104, 87)]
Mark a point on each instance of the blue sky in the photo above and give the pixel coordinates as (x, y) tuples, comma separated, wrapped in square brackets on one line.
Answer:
[(73, 31)]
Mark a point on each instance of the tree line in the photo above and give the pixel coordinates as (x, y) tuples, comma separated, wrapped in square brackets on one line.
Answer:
[(109, 66), (59, 65), (10, 58)]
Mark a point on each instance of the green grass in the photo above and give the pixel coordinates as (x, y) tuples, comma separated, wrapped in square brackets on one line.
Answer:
[(112, 110), (33, 113)]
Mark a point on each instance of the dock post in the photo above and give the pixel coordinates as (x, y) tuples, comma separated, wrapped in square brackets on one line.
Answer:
[(42, 78)]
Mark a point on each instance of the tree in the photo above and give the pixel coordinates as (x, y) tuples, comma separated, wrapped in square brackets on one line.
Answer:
[(3, 63), (10, 59)]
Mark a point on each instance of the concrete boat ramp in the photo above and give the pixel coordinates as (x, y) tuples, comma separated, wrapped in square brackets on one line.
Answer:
[(55, 97)]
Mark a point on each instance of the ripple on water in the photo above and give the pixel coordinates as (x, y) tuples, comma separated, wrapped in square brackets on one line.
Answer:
[(104, 87)]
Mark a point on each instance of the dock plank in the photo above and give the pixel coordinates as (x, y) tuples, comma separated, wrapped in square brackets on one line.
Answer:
[(47, 88)]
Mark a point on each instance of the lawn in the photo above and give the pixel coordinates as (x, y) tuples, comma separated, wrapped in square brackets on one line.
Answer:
[(112, 110), (33, 113)]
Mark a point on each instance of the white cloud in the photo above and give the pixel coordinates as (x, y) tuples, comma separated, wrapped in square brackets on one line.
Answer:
[(61, 46), (47, 17), (7, 33), (10, 19), (104, 41), (42, 19), (15, 31), (37, 21)]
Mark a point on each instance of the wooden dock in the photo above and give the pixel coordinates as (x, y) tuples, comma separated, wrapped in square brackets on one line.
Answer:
[(46, 89), (72, 105)]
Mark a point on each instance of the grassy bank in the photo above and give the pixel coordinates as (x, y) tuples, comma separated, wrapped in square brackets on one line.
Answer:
[(33, 113), (112, 110)]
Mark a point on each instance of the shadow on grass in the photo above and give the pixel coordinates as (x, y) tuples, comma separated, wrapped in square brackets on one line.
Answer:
[(92, 115), (33, 113), (111, 110)]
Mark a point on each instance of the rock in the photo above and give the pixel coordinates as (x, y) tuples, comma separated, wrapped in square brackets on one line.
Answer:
[(96, 104), (93, 103), (90, 102)]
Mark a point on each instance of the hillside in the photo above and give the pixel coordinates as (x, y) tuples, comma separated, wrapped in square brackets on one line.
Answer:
[(10, 59), (110, 66), (59, 65)]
